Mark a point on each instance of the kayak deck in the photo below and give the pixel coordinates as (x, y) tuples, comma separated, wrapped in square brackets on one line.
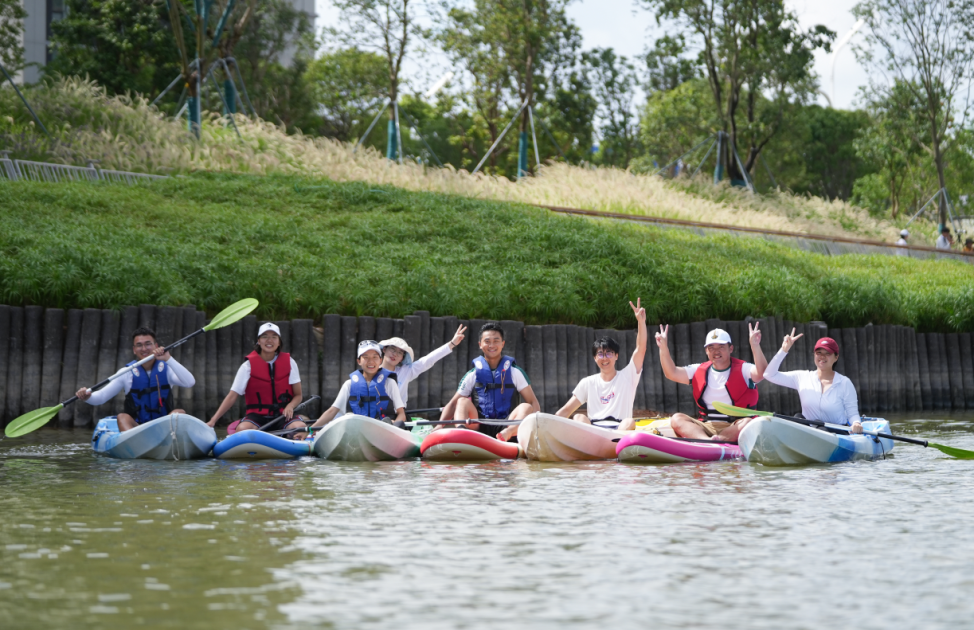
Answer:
[(354, 438), (777, 442), (173, 437), (260, 445), (464, 445), (641, 447)]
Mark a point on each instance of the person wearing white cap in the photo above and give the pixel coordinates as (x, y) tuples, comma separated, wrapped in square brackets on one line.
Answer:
[(369, 391), (268, 380), (397, 357), (720, 379), (904, 234)]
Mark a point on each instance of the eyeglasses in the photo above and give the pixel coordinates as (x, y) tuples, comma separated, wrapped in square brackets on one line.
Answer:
[(605, 355), (148, 345), (393, 350)]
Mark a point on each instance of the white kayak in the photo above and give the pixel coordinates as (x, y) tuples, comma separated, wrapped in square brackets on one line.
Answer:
[(778, 442), (173, 437), (547, 438), (354, 438)]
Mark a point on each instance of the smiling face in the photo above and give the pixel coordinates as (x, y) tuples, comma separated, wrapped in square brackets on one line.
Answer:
[(269, 342), (391, 357), (491, 344), (720, 354), (370, 362), (143, 346), (606, 359), (824, 359)]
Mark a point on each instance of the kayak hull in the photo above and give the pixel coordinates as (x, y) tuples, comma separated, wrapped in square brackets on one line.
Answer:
[(463, 445), (777, 442), (260, 445), (647, 448), (547, 438), (173, 437), (354, 438)]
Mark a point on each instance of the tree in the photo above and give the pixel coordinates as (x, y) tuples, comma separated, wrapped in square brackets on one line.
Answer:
[(829, 151), (928, 47), (385, 26), (667, 66), (614, 82), (12, 16), (748, 49), (675, 120), (346, 86)]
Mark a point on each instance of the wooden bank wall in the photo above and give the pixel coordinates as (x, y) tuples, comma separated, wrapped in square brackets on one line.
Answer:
[(47, 354)]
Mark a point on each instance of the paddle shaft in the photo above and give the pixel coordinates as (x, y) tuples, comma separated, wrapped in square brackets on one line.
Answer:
[(278, 419), (500, 423), (843, 431)]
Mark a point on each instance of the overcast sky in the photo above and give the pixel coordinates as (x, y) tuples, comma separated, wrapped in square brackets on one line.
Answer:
[(629, 30)]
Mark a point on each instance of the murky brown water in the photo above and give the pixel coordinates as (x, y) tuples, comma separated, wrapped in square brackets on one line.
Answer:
[(91, 542)]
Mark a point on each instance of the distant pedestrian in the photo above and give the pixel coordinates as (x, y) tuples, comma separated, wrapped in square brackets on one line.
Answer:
[(945, 240), (904, 234), (969, 245)]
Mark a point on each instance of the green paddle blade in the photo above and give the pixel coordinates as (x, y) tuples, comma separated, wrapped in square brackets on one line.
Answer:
[(959, 453), (232, 313), (31, 421), (739, 412)]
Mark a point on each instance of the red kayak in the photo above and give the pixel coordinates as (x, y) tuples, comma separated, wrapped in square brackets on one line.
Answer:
[(464, 445), (641, 447)]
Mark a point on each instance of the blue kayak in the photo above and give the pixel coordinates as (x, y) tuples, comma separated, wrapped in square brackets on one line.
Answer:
[(260, 445), (778, 442), (173, 437)]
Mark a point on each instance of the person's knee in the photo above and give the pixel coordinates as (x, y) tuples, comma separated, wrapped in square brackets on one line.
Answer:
[(680, 419), (627, 425), (521, 412), (178, 411), (581, 417)]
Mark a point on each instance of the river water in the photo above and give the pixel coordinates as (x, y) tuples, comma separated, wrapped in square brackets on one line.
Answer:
[(92, 542)]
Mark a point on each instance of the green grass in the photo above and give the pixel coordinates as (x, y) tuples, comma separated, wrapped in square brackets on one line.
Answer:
[(306, 247)]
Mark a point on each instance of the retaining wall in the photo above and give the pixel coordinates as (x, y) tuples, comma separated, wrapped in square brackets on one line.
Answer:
[(48, 354)]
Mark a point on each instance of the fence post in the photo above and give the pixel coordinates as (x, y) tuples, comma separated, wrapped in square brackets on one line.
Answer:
[(434, 387), (88, 363), (53, 350), (955, 372), (923, 364), (15, 360), (534, 345), (412, 332), (4, 352), (129, 322), (450, 364), (108, 352), (331, 350), (33, 356), (199, 368), (69, 367)]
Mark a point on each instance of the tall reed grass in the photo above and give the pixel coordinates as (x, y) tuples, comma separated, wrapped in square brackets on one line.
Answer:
[(306, 246), (125, 132)]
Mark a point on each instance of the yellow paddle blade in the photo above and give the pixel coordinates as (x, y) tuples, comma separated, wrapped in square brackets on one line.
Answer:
[(31, 421), (234, 312), (739, 412)]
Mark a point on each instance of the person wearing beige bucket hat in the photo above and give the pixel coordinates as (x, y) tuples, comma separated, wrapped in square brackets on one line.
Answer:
[(397, 357)]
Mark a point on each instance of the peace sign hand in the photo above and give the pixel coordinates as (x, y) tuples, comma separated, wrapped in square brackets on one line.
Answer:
[(661, 336), (753, 334), (790, 340), (638, 310), (457, 338)]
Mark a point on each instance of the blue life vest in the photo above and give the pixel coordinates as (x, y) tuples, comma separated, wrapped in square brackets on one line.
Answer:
[(150, 395), (495, 388), (370, 399)]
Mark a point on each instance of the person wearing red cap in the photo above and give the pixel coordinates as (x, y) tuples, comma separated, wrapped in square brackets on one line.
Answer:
[(826, 395)]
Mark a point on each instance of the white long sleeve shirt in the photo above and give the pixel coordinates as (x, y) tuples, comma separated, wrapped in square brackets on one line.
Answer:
[(178, 376), (407, 373), (839, 404)]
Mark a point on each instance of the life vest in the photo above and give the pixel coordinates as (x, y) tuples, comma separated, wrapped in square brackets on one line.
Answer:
[(369, 398), (495, 388), (268, 390), (150, 392), (741, 394)]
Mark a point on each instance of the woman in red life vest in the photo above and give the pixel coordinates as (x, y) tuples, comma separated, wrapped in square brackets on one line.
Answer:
[(269, 382), (720, 379)]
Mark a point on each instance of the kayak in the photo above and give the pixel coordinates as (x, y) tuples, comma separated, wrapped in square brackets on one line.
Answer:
[(260, 445), (464, 445), (777, 442), (547, 438), (354, 438), (173, 437), (644, 447)]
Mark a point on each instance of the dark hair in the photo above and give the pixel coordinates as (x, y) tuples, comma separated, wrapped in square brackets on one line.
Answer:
[(142, 331), (491, 326), (605, 343)]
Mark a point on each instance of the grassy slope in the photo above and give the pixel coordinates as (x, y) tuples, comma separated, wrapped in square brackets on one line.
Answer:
[(306, 247)]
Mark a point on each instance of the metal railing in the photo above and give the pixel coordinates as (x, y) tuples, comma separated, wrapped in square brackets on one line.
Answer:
[(26, 170)]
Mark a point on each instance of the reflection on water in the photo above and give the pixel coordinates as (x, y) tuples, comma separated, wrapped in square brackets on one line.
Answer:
[(100, 543)]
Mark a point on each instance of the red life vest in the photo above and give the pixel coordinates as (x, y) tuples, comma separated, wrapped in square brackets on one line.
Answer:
[(741, 394), (268, 390)]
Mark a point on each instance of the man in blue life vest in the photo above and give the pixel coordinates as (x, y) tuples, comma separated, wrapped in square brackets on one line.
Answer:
[(369, 391), (148, 388), (493, 379), (720, 379)]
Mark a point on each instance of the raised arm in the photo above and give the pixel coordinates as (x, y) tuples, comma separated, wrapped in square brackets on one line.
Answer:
[(640, 354), (760, 363), (772, 373), (670, 370)]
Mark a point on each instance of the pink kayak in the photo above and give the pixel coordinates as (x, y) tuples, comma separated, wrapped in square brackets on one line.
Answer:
[(464, 445), (642, 447)]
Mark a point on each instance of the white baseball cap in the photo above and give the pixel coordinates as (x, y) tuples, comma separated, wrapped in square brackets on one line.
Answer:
[(269, 326), (717, 335), (399, 342), (904, 233), (365, 346)]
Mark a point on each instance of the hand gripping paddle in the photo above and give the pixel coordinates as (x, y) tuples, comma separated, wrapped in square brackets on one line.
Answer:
[(741, 412), (39, 417)]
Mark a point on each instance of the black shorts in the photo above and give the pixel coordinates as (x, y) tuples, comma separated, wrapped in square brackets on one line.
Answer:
[(260, 420), (615, 422)]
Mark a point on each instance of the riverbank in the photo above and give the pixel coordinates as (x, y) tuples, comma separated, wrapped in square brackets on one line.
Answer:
[(305, 246)]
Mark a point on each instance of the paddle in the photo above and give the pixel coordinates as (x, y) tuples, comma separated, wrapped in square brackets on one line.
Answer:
[(731, 410), (39, 417), (233, 425), (499, 423)]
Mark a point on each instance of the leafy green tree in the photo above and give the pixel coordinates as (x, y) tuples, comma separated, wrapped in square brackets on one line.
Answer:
[(667, 65), (675, 120), (347, 86), (614, 82), (12, 16), (757, 62), (832, 163)]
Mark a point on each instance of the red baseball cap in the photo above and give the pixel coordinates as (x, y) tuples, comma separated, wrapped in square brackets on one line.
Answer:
[(829, 344)]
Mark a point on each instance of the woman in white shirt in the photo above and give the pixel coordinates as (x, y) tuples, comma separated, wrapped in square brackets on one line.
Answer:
[(826, 395), (397, 357)]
